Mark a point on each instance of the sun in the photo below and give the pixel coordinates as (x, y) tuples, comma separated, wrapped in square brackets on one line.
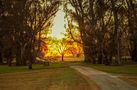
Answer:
[(58, 25)]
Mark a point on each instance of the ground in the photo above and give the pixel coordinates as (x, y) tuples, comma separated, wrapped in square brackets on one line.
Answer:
[(130, 79), (127, 72), (104, 80), (68, 76), (49, 79)]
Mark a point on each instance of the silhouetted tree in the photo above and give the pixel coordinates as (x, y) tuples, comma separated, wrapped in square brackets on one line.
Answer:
[(23, 20), (132, 24)]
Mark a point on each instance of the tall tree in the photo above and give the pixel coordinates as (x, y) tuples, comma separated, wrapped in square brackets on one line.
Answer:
[(87, 21), (132, 24), (32, 16)]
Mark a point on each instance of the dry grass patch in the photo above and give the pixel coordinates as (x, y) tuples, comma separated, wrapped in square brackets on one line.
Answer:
[(47, 79)]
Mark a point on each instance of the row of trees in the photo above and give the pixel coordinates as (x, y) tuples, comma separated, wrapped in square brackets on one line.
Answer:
[(108, 29), (20, 22)]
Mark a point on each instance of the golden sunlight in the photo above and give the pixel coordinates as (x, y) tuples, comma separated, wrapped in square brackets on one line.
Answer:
[(58, 25)]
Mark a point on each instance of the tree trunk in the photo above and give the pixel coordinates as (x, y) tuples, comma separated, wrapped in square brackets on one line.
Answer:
[(29, 55), (88, 54), (132, 23), (100, 58), (89, 50), (9, 56), (62, 57), (1, 61), (9, 61), (116, 33), (118, 53), (30, 58), (30, 64), (100, 53), (18, 56), (23, 55), (134, 53)]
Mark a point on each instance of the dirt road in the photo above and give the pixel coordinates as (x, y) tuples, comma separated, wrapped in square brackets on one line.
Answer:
[(104, 80)]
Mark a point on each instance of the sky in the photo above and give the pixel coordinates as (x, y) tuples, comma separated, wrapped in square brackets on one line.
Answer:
[(58, 25)]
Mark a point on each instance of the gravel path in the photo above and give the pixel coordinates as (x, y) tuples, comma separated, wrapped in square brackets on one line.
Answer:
[(104, 80)]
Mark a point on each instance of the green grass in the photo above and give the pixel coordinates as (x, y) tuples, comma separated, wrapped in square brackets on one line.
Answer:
[(55, 78), (7, 69), (68, 76), (123, 69)]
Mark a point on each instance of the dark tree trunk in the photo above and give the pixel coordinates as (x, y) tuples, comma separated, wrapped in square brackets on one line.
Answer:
[(100, 53), (9, 61), (30, 64), (88, 54), (29, 55), (116, 33), (107, 60), (132, 21), (62, 57), (18, 57), (30, 59), (9, 56), (1, 61), (134, 54), (100, 58), (1, 58), (89, 50)]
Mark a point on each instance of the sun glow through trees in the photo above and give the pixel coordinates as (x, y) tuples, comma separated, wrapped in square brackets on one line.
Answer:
[(59, 40), (58, 25)]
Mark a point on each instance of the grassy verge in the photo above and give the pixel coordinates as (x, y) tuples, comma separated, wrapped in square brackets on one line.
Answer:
[(7, 69), (46, 79), (123, 69)]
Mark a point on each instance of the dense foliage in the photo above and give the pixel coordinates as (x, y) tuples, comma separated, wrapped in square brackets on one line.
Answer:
[(108, 29), (21, 21)]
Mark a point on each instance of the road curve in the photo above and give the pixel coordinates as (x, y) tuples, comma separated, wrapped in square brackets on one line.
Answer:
[(104, 80)]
